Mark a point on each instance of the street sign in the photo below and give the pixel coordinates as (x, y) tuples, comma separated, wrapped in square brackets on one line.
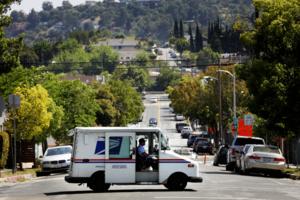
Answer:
[(248, 120), (245, 130), (14, 101), (235, 123)]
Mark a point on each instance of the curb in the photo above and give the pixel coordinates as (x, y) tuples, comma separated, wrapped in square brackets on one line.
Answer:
[(16, 179), (293, 176)]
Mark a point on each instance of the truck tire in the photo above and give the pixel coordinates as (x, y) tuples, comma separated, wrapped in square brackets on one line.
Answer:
[(176, 182), (97, 183)]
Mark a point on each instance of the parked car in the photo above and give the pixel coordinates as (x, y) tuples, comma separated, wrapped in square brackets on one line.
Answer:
[(56, 159), (153, 100), (237, 145), (221, 156), (186, 131), (191, 140), (202, 145), (179, 117), (262, 158), (152, 121), (180, 125)]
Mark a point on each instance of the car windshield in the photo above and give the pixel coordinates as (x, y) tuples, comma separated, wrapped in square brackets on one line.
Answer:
[(266, 149), (244, 141), (58, 151)]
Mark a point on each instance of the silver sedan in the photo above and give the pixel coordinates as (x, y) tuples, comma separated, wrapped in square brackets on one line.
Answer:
[(262, 158)]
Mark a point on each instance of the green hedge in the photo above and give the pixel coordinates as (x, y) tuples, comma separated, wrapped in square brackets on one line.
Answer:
[(5, 149)]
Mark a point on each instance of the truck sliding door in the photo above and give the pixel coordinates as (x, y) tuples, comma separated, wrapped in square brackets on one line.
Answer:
[(119, 158)]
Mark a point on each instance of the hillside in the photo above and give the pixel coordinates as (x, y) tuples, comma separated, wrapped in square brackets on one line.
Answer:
[(153, 19)]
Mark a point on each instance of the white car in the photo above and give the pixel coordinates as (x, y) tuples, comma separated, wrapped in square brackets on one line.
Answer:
[(153, 100), (186, 131), (262, 158), (56, 159), (179, 117)]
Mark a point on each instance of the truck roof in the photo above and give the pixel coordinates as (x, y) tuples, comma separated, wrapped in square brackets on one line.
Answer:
[(113, 129)]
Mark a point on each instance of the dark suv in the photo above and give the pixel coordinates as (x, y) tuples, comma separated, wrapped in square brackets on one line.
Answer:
[(202, 145), (191, 140)]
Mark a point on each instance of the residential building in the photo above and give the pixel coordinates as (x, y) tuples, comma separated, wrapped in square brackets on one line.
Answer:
[(126, 48)]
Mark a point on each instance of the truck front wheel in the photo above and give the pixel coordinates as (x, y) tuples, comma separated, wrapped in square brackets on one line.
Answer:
[(176, 182), (97, 183)]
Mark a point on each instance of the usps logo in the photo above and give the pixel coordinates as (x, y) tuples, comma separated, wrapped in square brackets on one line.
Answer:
[(100, 146), (114, 145)]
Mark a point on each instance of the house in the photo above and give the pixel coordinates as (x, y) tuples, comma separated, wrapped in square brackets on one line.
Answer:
[(126, 48)]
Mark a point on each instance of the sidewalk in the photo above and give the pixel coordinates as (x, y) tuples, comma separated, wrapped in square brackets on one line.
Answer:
[(7, 178)]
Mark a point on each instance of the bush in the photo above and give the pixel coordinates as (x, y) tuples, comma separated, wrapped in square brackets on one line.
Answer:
[(5, 148)]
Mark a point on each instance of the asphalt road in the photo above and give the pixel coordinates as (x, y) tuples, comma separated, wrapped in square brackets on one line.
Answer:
[(218, 183)]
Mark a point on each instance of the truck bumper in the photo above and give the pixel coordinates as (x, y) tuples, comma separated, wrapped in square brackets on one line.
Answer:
[(70, 179), (195, 179)]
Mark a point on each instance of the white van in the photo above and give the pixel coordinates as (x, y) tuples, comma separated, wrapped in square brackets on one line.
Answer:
[(103, 156)]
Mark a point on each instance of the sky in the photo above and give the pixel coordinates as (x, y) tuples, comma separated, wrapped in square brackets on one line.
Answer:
[(27, 5)]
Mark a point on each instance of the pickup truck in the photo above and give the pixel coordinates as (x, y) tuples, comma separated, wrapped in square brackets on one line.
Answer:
[(235, 149)]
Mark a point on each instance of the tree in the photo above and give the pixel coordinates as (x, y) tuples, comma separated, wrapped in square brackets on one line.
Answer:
[(137, 76), (78, 101), (22, 76), (47, 6), (142, 59), (128, 102), (107, 112), (198, 40), (33, 116), (192, 46), (176, 29), (273, 75), (167, 77), (104, 58), (33, 19), (9, 48), (181, 31), (28, 57), (181, 44), (44, 50), (197, 98)]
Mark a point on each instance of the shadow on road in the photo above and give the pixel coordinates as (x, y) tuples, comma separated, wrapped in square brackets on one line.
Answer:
[(114, 191), (167, 116), (220, 172)]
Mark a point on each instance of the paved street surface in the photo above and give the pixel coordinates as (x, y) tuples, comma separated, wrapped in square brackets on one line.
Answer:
[(218, 183), (166, 56)]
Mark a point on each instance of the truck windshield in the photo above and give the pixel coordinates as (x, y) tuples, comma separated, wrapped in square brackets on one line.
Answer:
[(164, 142)]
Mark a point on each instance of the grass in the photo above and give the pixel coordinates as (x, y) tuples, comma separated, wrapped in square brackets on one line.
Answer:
[(295, 171), (4, 174)]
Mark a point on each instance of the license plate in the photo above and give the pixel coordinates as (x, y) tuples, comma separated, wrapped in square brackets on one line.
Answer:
[(267, 160)]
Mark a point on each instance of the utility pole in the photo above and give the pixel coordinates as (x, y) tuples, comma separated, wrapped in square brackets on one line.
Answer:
[(220, 105), (14, 103)]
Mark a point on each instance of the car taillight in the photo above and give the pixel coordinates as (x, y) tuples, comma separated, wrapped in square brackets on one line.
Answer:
[(233, 152), (254, 157), (279, 160)]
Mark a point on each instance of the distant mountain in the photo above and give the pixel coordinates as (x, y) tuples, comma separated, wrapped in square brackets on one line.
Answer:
[(152, 19)]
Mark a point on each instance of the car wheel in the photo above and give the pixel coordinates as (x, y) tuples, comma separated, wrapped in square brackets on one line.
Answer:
[(97, 183), (176, 182), (230, 167)]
